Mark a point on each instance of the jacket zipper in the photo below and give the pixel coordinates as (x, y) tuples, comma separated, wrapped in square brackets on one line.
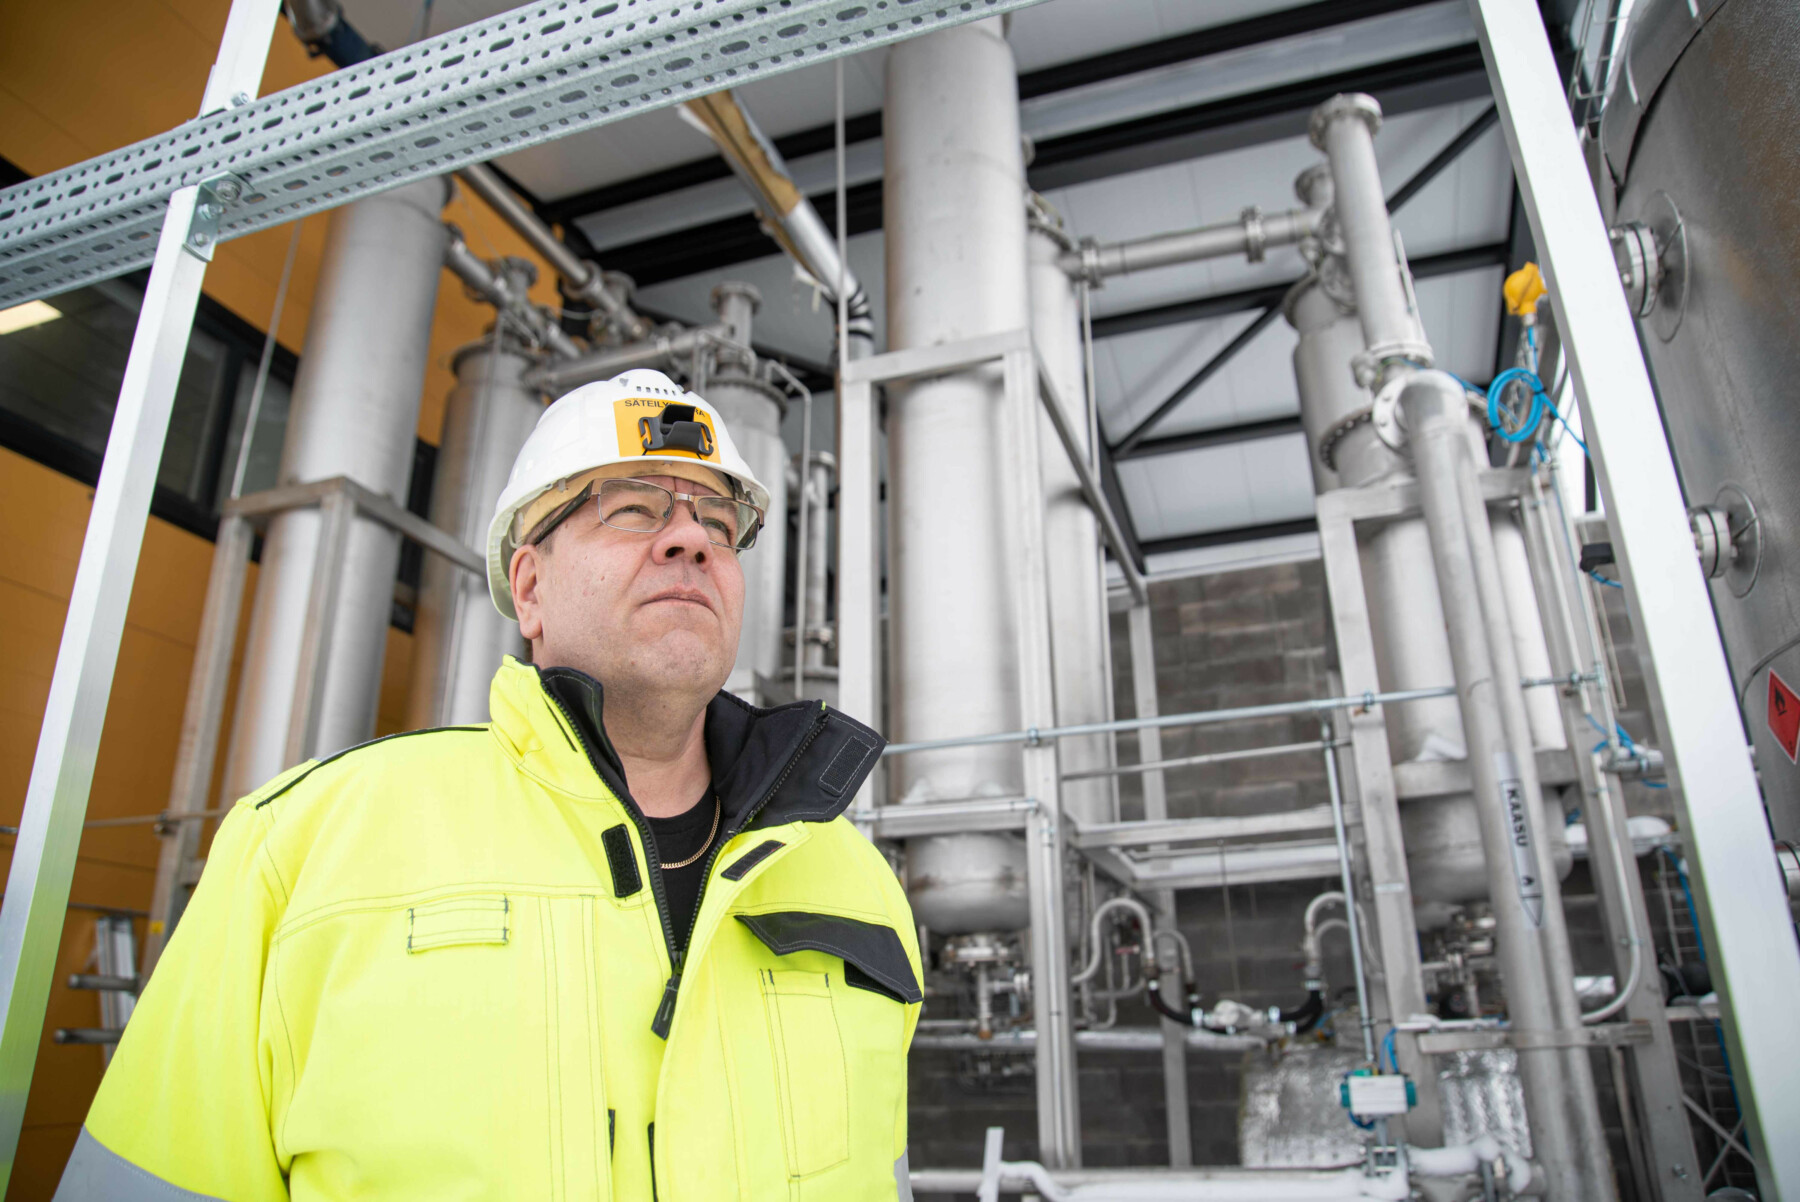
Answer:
[(665, 1010), (665, 1013)]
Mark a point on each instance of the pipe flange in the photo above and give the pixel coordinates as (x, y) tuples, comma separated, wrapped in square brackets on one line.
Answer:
[(1371, 365), (1256, 235), (1345, 104), (1328, 444), (1745, 532), (1385, 414)]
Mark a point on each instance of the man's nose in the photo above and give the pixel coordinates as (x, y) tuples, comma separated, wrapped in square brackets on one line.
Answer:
[(684, 535)]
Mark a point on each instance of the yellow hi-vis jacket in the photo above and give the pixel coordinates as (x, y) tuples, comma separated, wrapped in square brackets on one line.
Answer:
[(438, 967)]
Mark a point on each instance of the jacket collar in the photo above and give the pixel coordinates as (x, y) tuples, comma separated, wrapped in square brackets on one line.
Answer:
[(801, 762)]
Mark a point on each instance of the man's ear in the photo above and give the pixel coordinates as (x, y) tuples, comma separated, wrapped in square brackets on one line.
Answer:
[(523, 574)]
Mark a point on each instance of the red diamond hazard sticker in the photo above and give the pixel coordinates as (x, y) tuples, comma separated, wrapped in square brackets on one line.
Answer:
[(1784, 716)]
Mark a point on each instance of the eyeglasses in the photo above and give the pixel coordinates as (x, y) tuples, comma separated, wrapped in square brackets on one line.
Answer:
[(644, 508)]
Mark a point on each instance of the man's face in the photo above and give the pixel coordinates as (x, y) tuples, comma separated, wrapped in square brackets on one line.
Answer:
[(632, 610)]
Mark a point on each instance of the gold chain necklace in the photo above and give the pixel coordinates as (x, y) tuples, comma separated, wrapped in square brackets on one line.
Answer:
[(709, 838)]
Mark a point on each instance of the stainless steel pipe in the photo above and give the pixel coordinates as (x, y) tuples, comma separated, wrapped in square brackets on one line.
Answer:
[(1250, 235), (1436, 418)]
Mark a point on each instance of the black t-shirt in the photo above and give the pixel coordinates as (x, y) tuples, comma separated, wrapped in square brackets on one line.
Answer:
[(678, 838)]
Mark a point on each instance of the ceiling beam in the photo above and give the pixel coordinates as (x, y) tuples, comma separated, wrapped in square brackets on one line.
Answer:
[(1422, 81), (1274, 427), (1060, 77), (1237, 534)]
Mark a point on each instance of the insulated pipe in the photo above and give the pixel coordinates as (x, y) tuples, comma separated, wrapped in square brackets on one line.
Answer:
[(355, 413), (1078, 621), (1109, 1039), (788, 215), (459, 638), (584, 280), (1436, 417), (956, 269), (1250, 235)]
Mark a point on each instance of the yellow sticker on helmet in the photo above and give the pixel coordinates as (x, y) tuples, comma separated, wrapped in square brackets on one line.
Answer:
[(648, 426)]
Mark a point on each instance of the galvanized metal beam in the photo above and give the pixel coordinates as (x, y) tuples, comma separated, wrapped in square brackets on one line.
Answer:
[(517, 79)]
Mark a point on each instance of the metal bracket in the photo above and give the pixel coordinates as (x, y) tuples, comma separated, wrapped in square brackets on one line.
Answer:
[(203, 226)]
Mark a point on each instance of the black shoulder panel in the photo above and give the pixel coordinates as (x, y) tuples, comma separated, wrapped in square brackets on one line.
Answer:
[(871, 947), (405, 734)]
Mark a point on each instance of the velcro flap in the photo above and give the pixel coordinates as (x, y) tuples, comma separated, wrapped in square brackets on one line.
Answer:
[(871, 947), (455, 921)]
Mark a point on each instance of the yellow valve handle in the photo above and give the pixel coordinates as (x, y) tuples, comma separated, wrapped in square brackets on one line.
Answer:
[(1523, 289)]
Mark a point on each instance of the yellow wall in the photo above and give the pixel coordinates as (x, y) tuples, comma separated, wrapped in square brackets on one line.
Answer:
[(79, 78)]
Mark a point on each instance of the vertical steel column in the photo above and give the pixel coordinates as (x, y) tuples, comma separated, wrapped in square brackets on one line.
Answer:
[(459, 638), (859, 558), (1738, 889), (355, 413), (62, 772), (208, 683), (1058, 1095), (1156, 808), (955, 239)]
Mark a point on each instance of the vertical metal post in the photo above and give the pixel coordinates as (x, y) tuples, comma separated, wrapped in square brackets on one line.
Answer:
[(208, 683), (1059, 1115), (1738, 889), (321, 623), (1156, 808), (1403, 980), (1670, 1145), (859, 557), (62, 772)]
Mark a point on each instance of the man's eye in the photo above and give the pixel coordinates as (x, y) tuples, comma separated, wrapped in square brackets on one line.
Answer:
[(717, 525)]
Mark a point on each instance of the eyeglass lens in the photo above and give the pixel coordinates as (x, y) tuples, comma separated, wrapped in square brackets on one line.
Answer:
[(645, 508)]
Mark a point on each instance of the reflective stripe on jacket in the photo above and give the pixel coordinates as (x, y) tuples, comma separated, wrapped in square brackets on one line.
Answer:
[(437, 967)]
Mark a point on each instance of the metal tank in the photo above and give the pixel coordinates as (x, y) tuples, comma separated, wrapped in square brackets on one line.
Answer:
[(1702, 140), (459, 638), (1078, 619), (954, 216), (752, 408), (1444, 855), (355, 412)]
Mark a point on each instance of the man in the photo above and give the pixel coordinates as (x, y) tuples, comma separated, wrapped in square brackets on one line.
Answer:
[(617, 943)]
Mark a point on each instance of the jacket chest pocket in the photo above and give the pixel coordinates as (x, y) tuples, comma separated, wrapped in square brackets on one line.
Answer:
[(835, 1009), (810, 1080), (447, 1041)]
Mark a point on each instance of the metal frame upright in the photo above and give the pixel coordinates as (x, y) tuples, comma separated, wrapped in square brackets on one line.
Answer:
[(1738, 888)]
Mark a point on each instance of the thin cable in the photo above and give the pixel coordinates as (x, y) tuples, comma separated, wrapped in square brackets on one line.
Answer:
[(262, 368)]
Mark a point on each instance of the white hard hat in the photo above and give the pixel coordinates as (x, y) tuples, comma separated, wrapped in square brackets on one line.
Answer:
[(641, 416)]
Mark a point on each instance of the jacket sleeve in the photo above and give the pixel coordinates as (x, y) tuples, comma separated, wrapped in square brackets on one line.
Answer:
[(184, 1109)]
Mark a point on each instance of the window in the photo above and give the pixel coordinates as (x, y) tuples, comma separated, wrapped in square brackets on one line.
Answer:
[(60, 373)]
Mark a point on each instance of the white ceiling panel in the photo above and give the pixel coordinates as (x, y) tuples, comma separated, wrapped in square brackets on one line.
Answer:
[(1462, 320), (1136, 372), (1219, 488)]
